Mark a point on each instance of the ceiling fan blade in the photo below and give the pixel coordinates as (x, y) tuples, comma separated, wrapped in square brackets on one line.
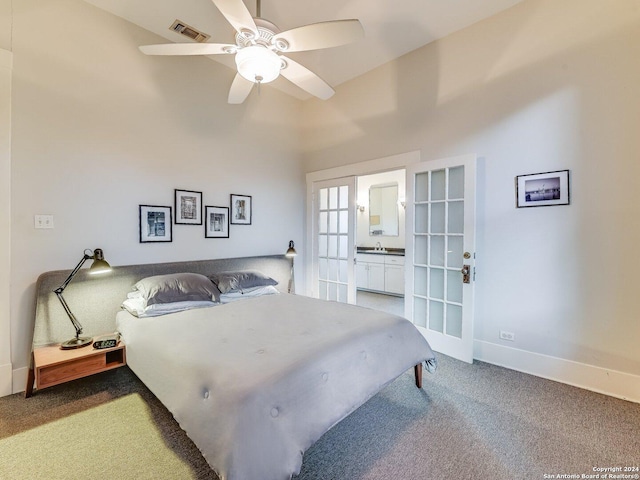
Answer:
[(306, 79), (320, 35), (187, 49), (240, 89), (237, 15)]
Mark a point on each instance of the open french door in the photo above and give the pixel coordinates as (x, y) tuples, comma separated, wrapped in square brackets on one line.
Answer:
[(334, 240), (440, 253)]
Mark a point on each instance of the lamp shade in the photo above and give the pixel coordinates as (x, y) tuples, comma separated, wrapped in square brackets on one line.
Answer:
[(291, 251), (99, 265), (258, 64)]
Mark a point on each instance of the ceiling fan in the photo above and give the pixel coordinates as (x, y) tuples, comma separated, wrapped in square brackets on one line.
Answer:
[(260, 46)]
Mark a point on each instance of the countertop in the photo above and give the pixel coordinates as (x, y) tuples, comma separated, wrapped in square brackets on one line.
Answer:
[(386, 251)]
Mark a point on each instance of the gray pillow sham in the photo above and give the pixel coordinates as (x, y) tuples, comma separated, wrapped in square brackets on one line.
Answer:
[(177, 287), (240, 280)]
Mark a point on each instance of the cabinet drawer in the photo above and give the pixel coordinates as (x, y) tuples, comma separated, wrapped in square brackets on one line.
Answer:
[(394, 260), (63, 372), (370, 258)]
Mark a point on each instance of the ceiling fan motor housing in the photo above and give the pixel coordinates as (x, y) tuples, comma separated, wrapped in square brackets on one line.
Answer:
[(266, 32)]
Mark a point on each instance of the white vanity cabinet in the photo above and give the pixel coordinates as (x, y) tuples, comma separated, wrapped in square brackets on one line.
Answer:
[(380, 273), (394, 274)]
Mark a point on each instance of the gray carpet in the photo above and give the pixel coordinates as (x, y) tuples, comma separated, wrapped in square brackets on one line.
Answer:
[(469, 422)]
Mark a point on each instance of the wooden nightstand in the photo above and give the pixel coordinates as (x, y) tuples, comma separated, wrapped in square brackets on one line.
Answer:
[(53, 366)]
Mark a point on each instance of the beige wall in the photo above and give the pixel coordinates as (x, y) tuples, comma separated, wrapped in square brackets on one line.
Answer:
[(99, 128), (543, 86), (5, 222)]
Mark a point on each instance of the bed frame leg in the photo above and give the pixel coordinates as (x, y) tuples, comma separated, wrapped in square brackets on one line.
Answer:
[(417, 370)]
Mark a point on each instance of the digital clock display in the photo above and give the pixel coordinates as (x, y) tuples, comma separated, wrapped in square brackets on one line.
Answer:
[(105, 343)]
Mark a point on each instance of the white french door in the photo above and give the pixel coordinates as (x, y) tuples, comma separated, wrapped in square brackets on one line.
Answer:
[(334, 240), (440, 253)]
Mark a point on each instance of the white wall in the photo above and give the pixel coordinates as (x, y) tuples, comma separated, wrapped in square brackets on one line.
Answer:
[(363, 239), (99, 128), (543, 86)]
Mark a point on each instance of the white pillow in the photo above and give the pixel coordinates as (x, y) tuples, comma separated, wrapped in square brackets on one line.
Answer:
[(248, 293), (135, 305)]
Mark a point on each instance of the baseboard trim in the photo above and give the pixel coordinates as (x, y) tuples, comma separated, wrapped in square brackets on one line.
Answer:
[(597, 379), (6, 385), (20, 379)]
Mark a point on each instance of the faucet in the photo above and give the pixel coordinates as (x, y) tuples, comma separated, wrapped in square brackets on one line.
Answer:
[(378, 246)]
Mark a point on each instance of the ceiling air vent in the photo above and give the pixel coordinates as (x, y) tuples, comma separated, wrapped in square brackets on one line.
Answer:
[(190, 32)]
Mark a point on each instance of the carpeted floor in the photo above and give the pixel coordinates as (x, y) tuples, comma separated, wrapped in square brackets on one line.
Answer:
[(468, 422)]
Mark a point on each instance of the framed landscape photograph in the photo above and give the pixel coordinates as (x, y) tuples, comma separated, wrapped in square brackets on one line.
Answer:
[(155, 223), (543, 189), (188, 207), (240, 209), (216, 223)]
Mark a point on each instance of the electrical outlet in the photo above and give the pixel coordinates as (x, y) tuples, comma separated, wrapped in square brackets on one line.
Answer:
[(507, 336), (43, 221)]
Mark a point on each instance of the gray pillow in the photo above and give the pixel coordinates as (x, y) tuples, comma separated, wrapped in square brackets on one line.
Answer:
[(177, 287), (240, 280)]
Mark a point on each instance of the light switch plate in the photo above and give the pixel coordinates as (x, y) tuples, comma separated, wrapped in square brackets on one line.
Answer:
[(43, 221)]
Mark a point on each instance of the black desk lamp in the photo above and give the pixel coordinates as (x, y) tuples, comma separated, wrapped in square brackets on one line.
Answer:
[(291, 252), (99, 265)]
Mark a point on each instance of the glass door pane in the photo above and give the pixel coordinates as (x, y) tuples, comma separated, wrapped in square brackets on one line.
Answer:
[(334, 240)]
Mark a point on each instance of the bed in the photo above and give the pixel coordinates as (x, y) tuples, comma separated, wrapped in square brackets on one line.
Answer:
[(254, 382)]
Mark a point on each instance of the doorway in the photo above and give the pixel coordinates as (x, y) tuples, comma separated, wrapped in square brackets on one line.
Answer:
[(380, 240), (440, 244)]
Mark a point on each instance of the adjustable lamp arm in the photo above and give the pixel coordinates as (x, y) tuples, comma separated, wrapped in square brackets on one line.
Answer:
[(99, 265), (73, 273), (58, 291)]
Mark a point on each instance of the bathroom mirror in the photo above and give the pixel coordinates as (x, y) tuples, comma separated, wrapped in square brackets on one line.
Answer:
[(383, 210)]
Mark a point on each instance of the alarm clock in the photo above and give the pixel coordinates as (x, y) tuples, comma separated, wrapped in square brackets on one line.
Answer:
[(106, 341)]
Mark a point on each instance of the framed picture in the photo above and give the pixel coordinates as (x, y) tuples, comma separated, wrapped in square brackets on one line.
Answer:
[(188, 207), (216, 224), (543, 189), (240, 209), (155, 223)]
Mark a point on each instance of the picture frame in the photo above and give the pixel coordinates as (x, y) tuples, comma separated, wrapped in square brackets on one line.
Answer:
[(154, 223), (543, 189), (216, 224), (241, 209), (188, 205)]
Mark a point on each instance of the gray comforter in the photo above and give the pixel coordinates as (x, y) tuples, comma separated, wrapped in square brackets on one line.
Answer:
[(255, 383)]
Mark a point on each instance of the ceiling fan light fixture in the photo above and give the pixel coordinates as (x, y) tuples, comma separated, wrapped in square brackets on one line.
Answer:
[(258, 64)]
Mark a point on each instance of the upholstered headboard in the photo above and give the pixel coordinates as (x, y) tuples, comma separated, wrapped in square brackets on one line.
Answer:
[(95, 300)]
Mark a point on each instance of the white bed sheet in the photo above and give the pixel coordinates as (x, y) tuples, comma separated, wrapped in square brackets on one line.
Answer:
[(255, 383)]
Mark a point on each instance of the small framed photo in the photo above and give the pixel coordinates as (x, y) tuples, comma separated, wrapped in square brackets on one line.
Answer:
[(155, 223), (216, 223), (543, 189), (240, 209), (188, 207)]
